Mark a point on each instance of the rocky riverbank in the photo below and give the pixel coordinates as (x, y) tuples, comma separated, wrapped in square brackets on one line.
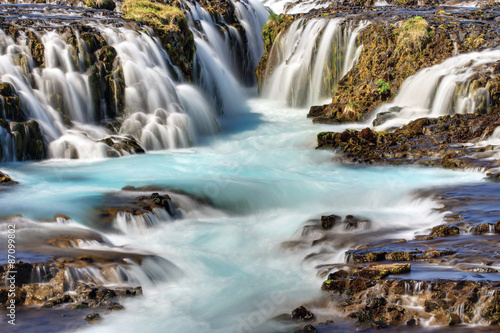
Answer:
[(65, 266), (446, 276)]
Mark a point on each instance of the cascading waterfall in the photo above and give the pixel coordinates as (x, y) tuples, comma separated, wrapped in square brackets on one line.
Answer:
[(225, 57), (440, 90), (158, 110), (311, 56), (157, 117)]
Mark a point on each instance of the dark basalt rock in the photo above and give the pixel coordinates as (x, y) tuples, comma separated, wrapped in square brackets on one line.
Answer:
[(122, 145), (328, 222), (426, 141), (302, 314), (128, 201)]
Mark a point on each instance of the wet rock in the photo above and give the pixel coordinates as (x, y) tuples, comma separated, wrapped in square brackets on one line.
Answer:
[(353, 222), (93, 318), (481, 270), (365, 256), (100, 4), (328, 222), (400, 256), (6, 180), (302, 314), (19, 296), (115, 307), (480, 229), (378, 325), (28, 140), (445, 230), (376, 272), (309, 329), (58, 300), (340, 274), (411, 322), (122, 145), (128, 202)]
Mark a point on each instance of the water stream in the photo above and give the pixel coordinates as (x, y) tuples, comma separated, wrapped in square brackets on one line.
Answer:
[(261, 177)]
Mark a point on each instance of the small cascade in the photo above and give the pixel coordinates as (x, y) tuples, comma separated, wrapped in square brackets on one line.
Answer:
[(311, 57), (225, 56), (136, 224), (129, 273), (295, 7), (443, 89)]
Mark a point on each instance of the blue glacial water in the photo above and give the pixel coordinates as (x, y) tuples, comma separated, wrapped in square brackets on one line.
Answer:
[(265, 176)]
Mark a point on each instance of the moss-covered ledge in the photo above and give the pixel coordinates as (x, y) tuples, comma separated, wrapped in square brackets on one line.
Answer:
[(170, 25)]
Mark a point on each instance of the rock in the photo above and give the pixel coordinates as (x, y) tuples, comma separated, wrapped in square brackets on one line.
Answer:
[(124, 202), (333, 285), (328, 222), (309, 329), (357, 256), (411, 322), (115, 307), (340, 274), (93, 318), (123, 145), (353, 222), (497, 227), (100, 4), (400, 256), (376, 272), (445, 230), (6, 180), (453, 319), (480, 229), (302, 314), (170, 25), (378, 325), (481, 270)]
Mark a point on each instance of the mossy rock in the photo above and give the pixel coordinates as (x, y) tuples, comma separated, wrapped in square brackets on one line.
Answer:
[(28, 140), (6, 180), (378, 272), (445, 230), (274, 28), (170, 25), (101, 4), (11, 107)]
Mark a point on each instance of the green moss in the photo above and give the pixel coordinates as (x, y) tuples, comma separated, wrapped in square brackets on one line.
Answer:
[(383, 87), (414, 34), (399, 256), (100, 4), (153, 14), (170, 25)]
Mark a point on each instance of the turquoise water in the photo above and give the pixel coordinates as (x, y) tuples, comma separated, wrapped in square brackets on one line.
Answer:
[(265, 176)]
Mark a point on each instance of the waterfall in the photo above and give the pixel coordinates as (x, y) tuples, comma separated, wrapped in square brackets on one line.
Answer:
[(311, 56), (440, 90), (141, 95), (225, 58)]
